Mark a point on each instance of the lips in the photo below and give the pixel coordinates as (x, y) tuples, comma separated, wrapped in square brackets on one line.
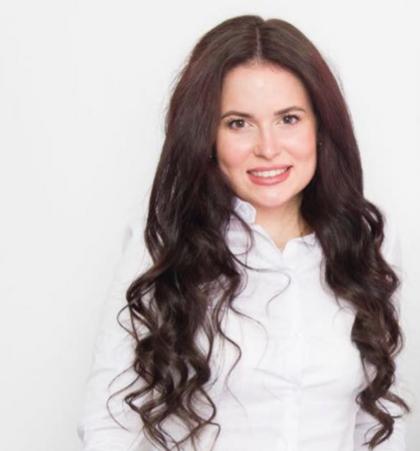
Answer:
[(268, 180), (271, 168)]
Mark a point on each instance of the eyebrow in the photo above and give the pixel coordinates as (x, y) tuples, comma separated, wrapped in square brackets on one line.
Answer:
[(249, 116)]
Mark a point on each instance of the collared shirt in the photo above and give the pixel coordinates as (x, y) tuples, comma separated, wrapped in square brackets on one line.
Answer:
[(294, 387)]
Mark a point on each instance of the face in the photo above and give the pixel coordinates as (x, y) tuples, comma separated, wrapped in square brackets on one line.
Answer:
[(266, 121)]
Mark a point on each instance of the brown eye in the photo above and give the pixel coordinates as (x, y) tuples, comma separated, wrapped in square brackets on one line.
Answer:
[(229, 123), (289, 119)]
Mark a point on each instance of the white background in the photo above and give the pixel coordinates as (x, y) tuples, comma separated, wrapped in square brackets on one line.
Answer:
[(83, 91)]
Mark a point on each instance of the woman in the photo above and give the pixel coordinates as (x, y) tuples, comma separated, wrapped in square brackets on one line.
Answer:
[(262, 300)]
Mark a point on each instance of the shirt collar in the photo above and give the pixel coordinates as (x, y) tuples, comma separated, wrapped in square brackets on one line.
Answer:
[(249, 213), (245, 210)]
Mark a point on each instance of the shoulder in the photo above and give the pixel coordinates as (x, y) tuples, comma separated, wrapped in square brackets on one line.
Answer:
[(392, 253), (391, 245), (134, 258)]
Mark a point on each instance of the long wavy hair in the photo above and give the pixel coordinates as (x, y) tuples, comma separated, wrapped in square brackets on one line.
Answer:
[(190, 205)]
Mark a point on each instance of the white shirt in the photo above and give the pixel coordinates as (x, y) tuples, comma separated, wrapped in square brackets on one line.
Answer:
[(295, 385)]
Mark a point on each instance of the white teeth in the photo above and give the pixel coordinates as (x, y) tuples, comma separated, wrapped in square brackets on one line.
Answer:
[(269, 173)]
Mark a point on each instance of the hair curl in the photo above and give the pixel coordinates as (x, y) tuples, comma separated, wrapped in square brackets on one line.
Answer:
[(191, 203)]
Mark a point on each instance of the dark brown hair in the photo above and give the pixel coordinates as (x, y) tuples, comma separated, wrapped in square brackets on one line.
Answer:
[(191, 203)]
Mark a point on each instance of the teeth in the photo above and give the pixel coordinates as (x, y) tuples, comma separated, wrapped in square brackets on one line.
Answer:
[(269, 173)]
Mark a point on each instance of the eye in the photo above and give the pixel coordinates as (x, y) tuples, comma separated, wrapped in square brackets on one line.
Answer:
[(288, 118), (229, 123)]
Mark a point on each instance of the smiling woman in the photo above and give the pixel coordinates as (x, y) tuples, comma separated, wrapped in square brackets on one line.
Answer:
[(269, 157), (262, 296)]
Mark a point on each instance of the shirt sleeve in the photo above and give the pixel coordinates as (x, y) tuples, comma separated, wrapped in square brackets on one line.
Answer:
[(366, 424), (112, 354)]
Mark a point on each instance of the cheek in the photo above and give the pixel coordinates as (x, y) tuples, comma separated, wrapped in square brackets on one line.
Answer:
[(231, 150), (303, 145)]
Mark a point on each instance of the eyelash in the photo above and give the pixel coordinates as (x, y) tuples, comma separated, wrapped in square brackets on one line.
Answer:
[(229, 123)]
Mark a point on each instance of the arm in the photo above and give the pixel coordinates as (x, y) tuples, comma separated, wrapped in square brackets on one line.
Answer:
[(391, 247), (112, 354)]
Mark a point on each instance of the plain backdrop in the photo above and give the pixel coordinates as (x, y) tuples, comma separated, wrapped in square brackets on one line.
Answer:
[(83, 91)]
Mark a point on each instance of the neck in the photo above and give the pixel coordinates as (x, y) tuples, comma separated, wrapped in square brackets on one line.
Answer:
[(282, 224)]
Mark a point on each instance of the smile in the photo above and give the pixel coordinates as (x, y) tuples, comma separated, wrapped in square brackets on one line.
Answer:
[(269, 177)]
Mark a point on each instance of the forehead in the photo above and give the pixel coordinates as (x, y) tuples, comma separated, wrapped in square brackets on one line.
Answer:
[(262, 83)]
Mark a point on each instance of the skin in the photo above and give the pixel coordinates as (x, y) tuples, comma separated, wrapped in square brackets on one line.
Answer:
[(265, 140)]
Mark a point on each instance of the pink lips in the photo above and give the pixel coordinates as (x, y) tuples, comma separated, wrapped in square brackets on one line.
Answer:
[(269, 180), (271, 168)]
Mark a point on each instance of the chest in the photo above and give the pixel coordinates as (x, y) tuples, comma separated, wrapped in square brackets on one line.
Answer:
[(294, 335)]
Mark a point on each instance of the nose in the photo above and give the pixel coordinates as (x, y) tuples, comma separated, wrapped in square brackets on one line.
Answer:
[(267, 144)]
